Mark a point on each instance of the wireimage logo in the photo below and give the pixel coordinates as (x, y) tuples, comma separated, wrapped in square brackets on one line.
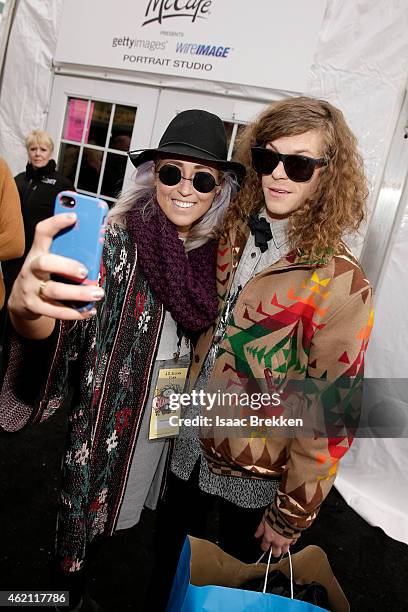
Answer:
[(199, 49), (157, 10)]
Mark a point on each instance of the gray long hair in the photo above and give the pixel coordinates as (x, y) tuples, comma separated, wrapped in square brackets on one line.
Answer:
[(144, 187)]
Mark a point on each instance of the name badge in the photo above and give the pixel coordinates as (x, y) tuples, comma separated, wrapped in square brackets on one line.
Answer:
[(164, 418)]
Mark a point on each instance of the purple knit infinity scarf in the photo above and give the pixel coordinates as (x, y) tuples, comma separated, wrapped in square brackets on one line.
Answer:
[(185, 283)]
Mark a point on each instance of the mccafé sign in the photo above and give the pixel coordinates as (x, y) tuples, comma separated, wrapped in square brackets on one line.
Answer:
[(158, 10)]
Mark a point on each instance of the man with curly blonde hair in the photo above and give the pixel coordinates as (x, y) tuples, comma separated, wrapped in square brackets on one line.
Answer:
[(294, 305)]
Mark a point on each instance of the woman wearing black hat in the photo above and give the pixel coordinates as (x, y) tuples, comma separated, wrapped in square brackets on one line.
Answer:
[(157, 289)]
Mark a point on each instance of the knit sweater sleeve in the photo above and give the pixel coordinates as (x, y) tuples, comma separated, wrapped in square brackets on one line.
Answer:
[(337, 360), (37, 375)]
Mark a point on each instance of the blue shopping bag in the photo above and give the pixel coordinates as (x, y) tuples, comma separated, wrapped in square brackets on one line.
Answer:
[(185, 597)]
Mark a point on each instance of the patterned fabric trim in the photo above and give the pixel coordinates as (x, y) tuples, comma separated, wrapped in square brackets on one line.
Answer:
[(229, 470), (29, 367), (275, 521)]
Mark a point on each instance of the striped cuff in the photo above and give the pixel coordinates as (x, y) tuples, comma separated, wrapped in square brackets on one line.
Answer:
[(275, 521)]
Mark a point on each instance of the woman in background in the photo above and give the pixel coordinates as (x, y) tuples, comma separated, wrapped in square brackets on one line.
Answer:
[(37, 187)]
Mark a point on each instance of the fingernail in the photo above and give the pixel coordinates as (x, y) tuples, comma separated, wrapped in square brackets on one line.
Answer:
[(92, 313), (82, 271), (71, 216), (97, 294)]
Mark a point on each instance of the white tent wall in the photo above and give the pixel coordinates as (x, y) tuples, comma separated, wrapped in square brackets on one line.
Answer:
[(373, 476), (27, 76), (360, 65)]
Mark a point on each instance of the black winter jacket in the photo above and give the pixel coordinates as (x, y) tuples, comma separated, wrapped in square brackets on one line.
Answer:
[(37, 189)]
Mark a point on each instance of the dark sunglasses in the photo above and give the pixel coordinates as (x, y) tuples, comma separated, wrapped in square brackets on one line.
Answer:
[(298, 168), (170, 175)]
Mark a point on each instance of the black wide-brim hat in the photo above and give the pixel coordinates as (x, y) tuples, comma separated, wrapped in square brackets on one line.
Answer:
[(195, 134)]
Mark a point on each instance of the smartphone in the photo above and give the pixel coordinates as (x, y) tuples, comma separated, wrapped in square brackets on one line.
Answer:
[(82, 241)]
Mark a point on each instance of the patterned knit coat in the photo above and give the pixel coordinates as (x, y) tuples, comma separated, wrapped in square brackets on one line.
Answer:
[(298, 322), (109, 360)]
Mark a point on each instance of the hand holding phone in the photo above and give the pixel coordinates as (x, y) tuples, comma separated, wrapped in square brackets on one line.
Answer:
[(82, 241), (36, 300)]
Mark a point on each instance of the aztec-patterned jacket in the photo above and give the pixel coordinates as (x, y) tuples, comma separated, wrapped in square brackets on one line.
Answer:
[(110, 360), (302, 320)]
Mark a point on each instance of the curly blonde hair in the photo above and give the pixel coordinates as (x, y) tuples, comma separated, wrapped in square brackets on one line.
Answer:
[(40, 137), (338, 204)]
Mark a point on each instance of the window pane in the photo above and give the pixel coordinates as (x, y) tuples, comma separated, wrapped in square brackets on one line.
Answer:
[(122, 127), (114, 173), (100, 116), (68, 158), (75, 119), (90, 170)]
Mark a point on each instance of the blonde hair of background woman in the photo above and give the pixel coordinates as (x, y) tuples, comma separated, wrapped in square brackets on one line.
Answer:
[(40, 137)]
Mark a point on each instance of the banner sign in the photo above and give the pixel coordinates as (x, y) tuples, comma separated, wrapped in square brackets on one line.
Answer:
[(265, 43)]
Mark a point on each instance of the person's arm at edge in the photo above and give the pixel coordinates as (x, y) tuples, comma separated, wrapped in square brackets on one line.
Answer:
[(12, 239), (35, 329)]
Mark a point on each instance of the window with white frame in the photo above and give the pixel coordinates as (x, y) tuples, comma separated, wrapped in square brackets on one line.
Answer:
[(95, 140)]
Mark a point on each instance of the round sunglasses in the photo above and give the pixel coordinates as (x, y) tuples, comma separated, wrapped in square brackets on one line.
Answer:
[(298, 168), (170, 175)]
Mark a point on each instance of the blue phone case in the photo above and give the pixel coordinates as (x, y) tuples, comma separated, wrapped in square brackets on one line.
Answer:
[(84, 240)]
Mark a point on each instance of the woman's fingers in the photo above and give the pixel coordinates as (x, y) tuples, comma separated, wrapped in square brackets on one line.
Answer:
[(34, 293), (57, 310), (47, 263), (47, 229), (39, 297), (55, 291), (41, 262), (48, 300)]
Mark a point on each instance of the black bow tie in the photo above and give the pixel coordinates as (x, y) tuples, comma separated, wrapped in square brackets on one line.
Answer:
[(261, 229)]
